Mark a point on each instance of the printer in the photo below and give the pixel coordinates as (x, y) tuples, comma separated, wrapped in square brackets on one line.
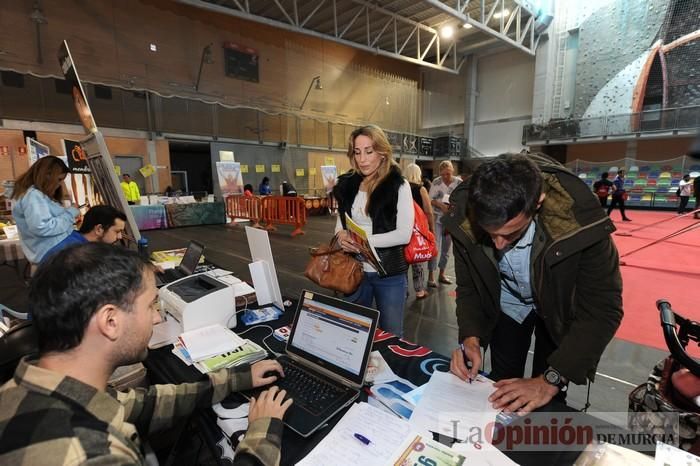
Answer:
[(199, 300)]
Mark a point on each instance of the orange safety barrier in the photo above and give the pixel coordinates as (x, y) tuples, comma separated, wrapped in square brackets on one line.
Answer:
[(243, 207), (285, 211)]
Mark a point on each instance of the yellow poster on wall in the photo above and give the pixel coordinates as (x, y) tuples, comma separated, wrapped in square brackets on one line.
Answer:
[(244, 168), (275, 168), (147, 170), (118, 170), (300, 172), (330, 161), (260, 168), (312, 171)]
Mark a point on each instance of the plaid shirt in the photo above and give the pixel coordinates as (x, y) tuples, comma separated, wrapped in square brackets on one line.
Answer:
[(50, 419)]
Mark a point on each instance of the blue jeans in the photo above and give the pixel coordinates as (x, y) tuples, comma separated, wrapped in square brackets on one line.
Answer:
[(389, 294), (444, 243)]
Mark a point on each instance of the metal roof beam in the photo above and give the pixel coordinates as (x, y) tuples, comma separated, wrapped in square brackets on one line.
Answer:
[(366, 43), (482, 23)]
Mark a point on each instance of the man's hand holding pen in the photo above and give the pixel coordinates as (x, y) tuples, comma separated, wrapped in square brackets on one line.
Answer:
[(468, 352)]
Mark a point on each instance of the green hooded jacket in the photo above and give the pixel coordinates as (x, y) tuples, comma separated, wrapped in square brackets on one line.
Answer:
[(574, 270)]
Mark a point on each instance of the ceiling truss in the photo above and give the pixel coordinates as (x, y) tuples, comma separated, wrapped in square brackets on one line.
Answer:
[(399, 29)]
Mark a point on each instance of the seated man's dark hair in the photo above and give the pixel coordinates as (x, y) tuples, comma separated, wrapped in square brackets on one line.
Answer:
[(104, 215), (69, 287), (502, 188), (248, 187)]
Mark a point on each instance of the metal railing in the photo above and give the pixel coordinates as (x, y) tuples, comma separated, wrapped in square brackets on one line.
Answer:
[(666, 120)]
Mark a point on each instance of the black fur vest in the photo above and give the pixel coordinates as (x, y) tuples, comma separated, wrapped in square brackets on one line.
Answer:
[(381, 209)]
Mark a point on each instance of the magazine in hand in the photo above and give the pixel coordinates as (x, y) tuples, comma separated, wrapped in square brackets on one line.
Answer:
[(367, 251)]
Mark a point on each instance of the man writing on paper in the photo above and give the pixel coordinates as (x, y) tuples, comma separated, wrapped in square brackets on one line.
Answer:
[(93, 309), (532, 253)]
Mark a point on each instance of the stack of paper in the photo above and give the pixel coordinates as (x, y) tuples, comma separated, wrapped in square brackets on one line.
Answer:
[(369, 437), (247, 353), (212, 340), (451, 406)]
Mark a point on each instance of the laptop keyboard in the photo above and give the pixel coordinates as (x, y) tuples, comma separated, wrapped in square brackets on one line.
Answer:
[(307, 390)]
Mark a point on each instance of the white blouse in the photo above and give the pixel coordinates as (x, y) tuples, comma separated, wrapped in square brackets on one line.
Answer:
[(404, 221)]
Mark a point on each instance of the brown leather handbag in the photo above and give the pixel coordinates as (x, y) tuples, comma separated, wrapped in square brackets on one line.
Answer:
[(331, 267)]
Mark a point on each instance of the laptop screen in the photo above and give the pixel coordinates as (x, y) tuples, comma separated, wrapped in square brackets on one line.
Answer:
[(334, 334), (191, 259)]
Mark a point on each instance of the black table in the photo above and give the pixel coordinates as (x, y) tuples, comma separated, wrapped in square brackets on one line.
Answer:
[(409, 361)]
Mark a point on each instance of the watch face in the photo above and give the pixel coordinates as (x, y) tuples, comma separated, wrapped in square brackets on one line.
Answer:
[(551, 376)]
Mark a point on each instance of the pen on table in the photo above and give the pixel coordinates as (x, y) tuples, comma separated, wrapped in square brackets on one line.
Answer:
[(466, 361), (362, 439)]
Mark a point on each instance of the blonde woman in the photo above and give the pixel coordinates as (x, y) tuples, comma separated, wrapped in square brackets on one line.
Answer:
[(375, 195), (439, 193), (41, 219), (420, 195)]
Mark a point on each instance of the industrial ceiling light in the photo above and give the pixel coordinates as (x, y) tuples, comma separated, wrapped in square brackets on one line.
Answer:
[(503, 13), (467, 26), (315, 80), (447, 31)]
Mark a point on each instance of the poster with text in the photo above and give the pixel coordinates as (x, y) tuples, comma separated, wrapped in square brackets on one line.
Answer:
[(37, 150), (77, 158), (230, 179), (329, 173)]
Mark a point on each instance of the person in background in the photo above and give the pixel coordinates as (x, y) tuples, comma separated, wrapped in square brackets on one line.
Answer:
[(439, 194), (248, 190), (619, 195), (42, 221), (602, 189), (287, 189), (93, 308), (377, 198), (101, 224), (264, 188), (131, 190), (169, 191), (685, 189), (696, 191), (533, 254), (420, 196)]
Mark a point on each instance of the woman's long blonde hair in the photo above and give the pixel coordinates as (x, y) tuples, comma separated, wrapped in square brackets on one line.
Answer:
[(380, 144), (42, 175)]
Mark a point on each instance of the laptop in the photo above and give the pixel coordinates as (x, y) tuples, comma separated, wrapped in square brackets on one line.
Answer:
[(186, 268), (325, 359)]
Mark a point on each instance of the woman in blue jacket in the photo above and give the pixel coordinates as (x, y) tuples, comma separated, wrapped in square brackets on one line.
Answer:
[(41, 219)]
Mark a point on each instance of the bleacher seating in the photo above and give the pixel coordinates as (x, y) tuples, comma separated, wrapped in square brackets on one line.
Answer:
[(647, 183)]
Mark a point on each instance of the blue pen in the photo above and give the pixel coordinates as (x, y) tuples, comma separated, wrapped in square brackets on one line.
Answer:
[(466, 361), (362, 439)]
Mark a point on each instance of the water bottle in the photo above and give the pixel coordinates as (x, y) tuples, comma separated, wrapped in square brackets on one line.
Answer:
[(143, 248)]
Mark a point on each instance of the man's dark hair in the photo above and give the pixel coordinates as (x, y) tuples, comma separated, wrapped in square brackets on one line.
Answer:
[(69, 287), (104, 215), (604, 175), (502, 188)]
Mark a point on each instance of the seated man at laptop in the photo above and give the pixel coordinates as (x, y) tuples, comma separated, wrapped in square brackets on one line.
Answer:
[(101, 224), (93, 308)]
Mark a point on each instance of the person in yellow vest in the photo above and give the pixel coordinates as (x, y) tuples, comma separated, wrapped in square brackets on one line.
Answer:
[(131, 190)]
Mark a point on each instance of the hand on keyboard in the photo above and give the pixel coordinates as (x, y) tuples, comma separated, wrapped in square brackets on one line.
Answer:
[(265, 372), (269, 404)]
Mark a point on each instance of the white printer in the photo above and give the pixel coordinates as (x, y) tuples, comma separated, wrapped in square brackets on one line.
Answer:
[(199, 300)]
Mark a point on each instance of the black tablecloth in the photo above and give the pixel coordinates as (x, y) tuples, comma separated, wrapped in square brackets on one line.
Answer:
[(410, 361)]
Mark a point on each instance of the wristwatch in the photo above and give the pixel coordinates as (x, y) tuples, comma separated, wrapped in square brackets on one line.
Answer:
[(553, 377)]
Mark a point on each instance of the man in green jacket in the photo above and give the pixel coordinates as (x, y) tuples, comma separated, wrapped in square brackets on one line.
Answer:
[(533, 252)]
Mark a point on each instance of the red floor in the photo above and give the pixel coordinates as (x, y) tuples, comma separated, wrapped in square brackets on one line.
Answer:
[(670, 269)]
